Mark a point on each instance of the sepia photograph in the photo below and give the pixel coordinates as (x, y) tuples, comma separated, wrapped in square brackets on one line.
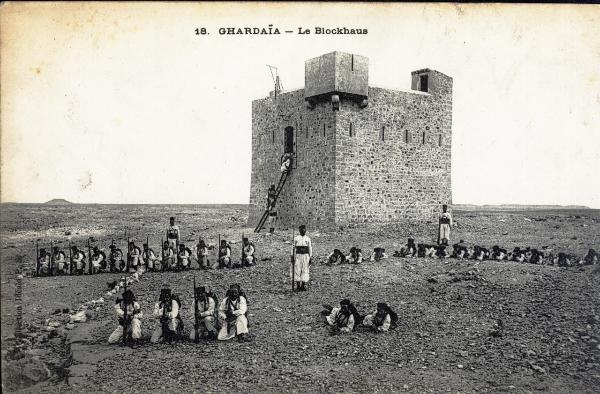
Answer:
[(273, 197)]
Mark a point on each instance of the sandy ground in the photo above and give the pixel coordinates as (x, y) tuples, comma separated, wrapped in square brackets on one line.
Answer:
[(447, 338)]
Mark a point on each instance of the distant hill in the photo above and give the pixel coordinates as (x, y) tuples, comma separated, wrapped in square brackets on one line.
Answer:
[(58, 201), (517, 207)]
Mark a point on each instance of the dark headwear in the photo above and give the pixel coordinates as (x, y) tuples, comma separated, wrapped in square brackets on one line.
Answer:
[(172, 218), (345, 302), (201, 244), (165, 295), (128, 297), (302, 227)]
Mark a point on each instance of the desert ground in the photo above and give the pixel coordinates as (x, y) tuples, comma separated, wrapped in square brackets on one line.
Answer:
[(464, 326)]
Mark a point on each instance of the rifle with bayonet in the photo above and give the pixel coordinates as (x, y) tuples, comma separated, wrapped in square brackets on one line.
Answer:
[(196, 323), (37, 259), (293, 258), (90, 271)]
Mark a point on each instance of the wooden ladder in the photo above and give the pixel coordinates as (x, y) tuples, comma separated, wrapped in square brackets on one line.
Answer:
[(265, 215)]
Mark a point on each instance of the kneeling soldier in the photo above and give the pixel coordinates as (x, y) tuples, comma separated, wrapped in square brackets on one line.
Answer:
[(184, 257), (591, 258), (44, 262), (98, 260), (378, 254), (409, 250), (131, 322), (170, 324), (224, 255), (202, 255), (60, 261), (169, 260), (248, 250), (205, 311), (115, 259), (152, 262), (77, 260), (382, 320), (232, 315), (336, 258), (355, 256)]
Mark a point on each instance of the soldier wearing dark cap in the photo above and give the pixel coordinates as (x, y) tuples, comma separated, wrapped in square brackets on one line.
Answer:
[(382, 320), (44, 261), (460, 250), (206, 311), (60, 261), (445, 222), (115, 259), (410, 249), (344, 318), (173, 234), (302, 250), (232, 315), (591, 258)]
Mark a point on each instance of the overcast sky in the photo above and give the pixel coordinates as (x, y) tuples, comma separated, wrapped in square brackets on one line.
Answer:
[(123, 103)]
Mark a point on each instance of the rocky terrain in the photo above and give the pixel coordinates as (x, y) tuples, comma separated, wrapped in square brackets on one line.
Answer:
[(464, 326)]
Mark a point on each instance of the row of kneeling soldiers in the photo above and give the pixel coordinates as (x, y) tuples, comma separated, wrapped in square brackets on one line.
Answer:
[(461, 250), (228, 320), (346, 318), (171, 258)]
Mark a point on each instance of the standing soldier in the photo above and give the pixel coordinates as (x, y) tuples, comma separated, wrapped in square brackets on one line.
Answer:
[(152, 262), (173, 235), (271, 193), (445, 222), (206, 311), (60, 261), (300, 256)]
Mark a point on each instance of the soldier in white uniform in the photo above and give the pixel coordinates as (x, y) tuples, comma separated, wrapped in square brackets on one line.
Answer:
[(343, 319), (173, 236), (232, 315), (445, 224), (248, 257), (44, 261), (152, 262), (202, 255), (169, 259), (98, 259), (184, 257), (224, 255), (382, 319), (302, 249), (77, 260), (60, 261), (134, 314), (135, 257), (206, 315), (169, 322)]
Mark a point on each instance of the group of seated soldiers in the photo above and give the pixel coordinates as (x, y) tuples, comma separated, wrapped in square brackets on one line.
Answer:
[(210, 319), (461, 250), (345, 318), (354, 257), (176, 257)]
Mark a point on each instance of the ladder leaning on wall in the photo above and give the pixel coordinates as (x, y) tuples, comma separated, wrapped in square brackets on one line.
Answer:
[(265, 215)]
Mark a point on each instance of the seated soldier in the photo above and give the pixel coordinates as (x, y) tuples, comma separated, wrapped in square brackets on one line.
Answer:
[(98, 259), (460, 250), (60, 261), (378, 254), (518, 255), (151, 260), (169, 261), (248, 257), (170, 325), (441, 252), (591, 258), (528, 254), (479, 253), (537, 257), (409, 250), (336, 257), (205, 312), (562, 260), (134, 257), (342, 319), (430, 250), (232, 315), (132, 322), (77, 260), (44, 262), (202, 256), (382, 320), (224, 255), (498, 253), (355, 256), (184, 257), (115, 259)]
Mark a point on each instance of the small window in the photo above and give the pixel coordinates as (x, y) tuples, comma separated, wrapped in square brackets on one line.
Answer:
[(382, 133), (351, 130), (406, 136), (272, 136), (423, 79), (323, 129), (440, 140), (352, 64), (423, 138)]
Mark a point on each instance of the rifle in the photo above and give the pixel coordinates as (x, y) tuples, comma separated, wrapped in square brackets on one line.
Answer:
[(70, 260), (89, 258), (196, 324), (162, 255), (147, 253), (128, 256), (51, 259), (219, 251), (293, 258), (37, 259), (242, 262), (164, 320), (178, 265), (125, 323)]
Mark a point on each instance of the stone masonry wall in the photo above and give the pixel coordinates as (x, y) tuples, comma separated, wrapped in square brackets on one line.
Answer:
[(382, 177), (308, 196)]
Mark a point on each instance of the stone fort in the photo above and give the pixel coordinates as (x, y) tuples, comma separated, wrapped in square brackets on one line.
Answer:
[(360, 153)]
